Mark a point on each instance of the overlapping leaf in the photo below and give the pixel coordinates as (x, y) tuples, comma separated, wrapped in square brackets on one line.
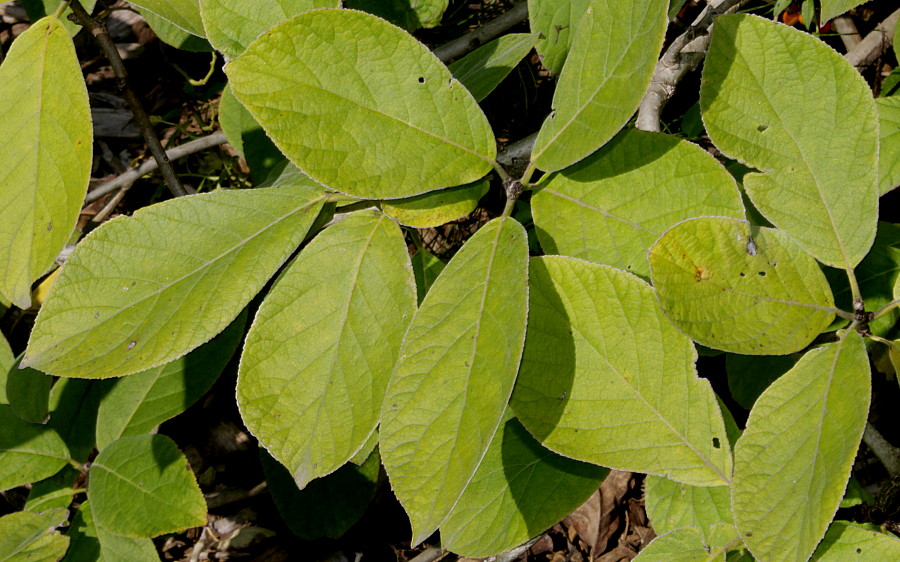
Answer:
[(609, 67), (73, 414), (324, 342), (142, 487), (28, 392), (136, 404), (519, 490), (556, 21), (95, 543), (607, 379), (739, 288), (26, 536), (426, 268), (362, 107), (848, 541), (834, 8), (231, 25), (672, 505), (141, 291), (183, 13), (37, 9), (889, 143), (612, 206), (53, 492), (171, 34), (484, 68), (792, 463), (45, 154), (457, 365), (28, 452), (688, 544), (820, 164), (438, 207)]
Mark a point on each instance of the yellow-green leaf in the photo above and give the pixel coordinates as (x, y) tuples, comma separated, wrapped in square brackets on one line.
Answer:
[(847, 541), (739, 288), (673, 505), (483, 69), (182, 13), (609, 67), (556, 21), (819, 178), (28, 452), (889, 143), (438, 207), (322, 347), (457, 365), (45, 154), (792, 462), (607, 379), (362, 107), (141, 291), (26, 536)]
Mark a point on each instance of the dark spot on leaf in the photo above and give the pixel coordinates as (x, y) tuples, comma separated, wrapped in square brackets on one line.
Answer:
[(859, 551), (762, 128), (748, 534), (762, 273), (96, 315), (421, 79), (701, 273), (716, 444), (742, 274), (49, 226)]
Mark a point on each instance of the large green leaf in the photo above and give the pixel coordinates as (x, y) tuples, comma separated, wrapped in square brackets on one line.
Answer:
[(362, 107), (820, 161), (556, 21), (322, 347), (28, 452), (609, 67), (612, 206), (438, 207), (457, 365), (739, 288), (672, 505), (93, 543), (7, 361), (792, 463), (834, 8), (688, 544), (73, 413), (484, 68), (889, 142), (28, 392), (846, 541), (116, 310), (607, 379), (183, 13), (231, 25), (519, 490), (45, 154), (27, 536), (136, 404), (142, 487), (330, 505)]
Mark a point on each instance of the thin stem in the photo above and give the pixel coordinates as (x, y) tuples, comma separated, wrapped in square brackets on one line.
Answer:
[(886, 308), (508, 209), (60, 9), (854, 285), (101, 34), (888, 343), (205, 79), (500, 171), (526, 175)]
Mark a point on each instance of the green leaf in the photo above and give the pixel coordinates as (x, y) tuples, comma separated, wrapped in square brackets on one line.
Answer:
[(426, 267), (749, 376), (27, 536), (92, 543), (847, 541), (45, 154), (182, 13), (755, 72), (408, 15), (365, 452), (792, 463), (54, 492), (688, 544), (672, 505), (519, 490), (37, 9), (114, 311), (231, 25), (438, 207), (889, 143), (612, 206), (362, 107), (28, 452), (7, 362), (330, 505), (321, 349), (73, 413), (142, 487), (28, 392), (739, 288), (610, 65), (833, 8), (607, 379), (457, 365), (136, 404), (556, 23), (483, 69), (246, 136), (173, 35)]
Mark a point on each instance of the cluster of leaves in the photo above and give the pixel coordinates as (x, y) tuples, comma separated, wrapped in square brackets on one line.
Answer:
[(499, 390)]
